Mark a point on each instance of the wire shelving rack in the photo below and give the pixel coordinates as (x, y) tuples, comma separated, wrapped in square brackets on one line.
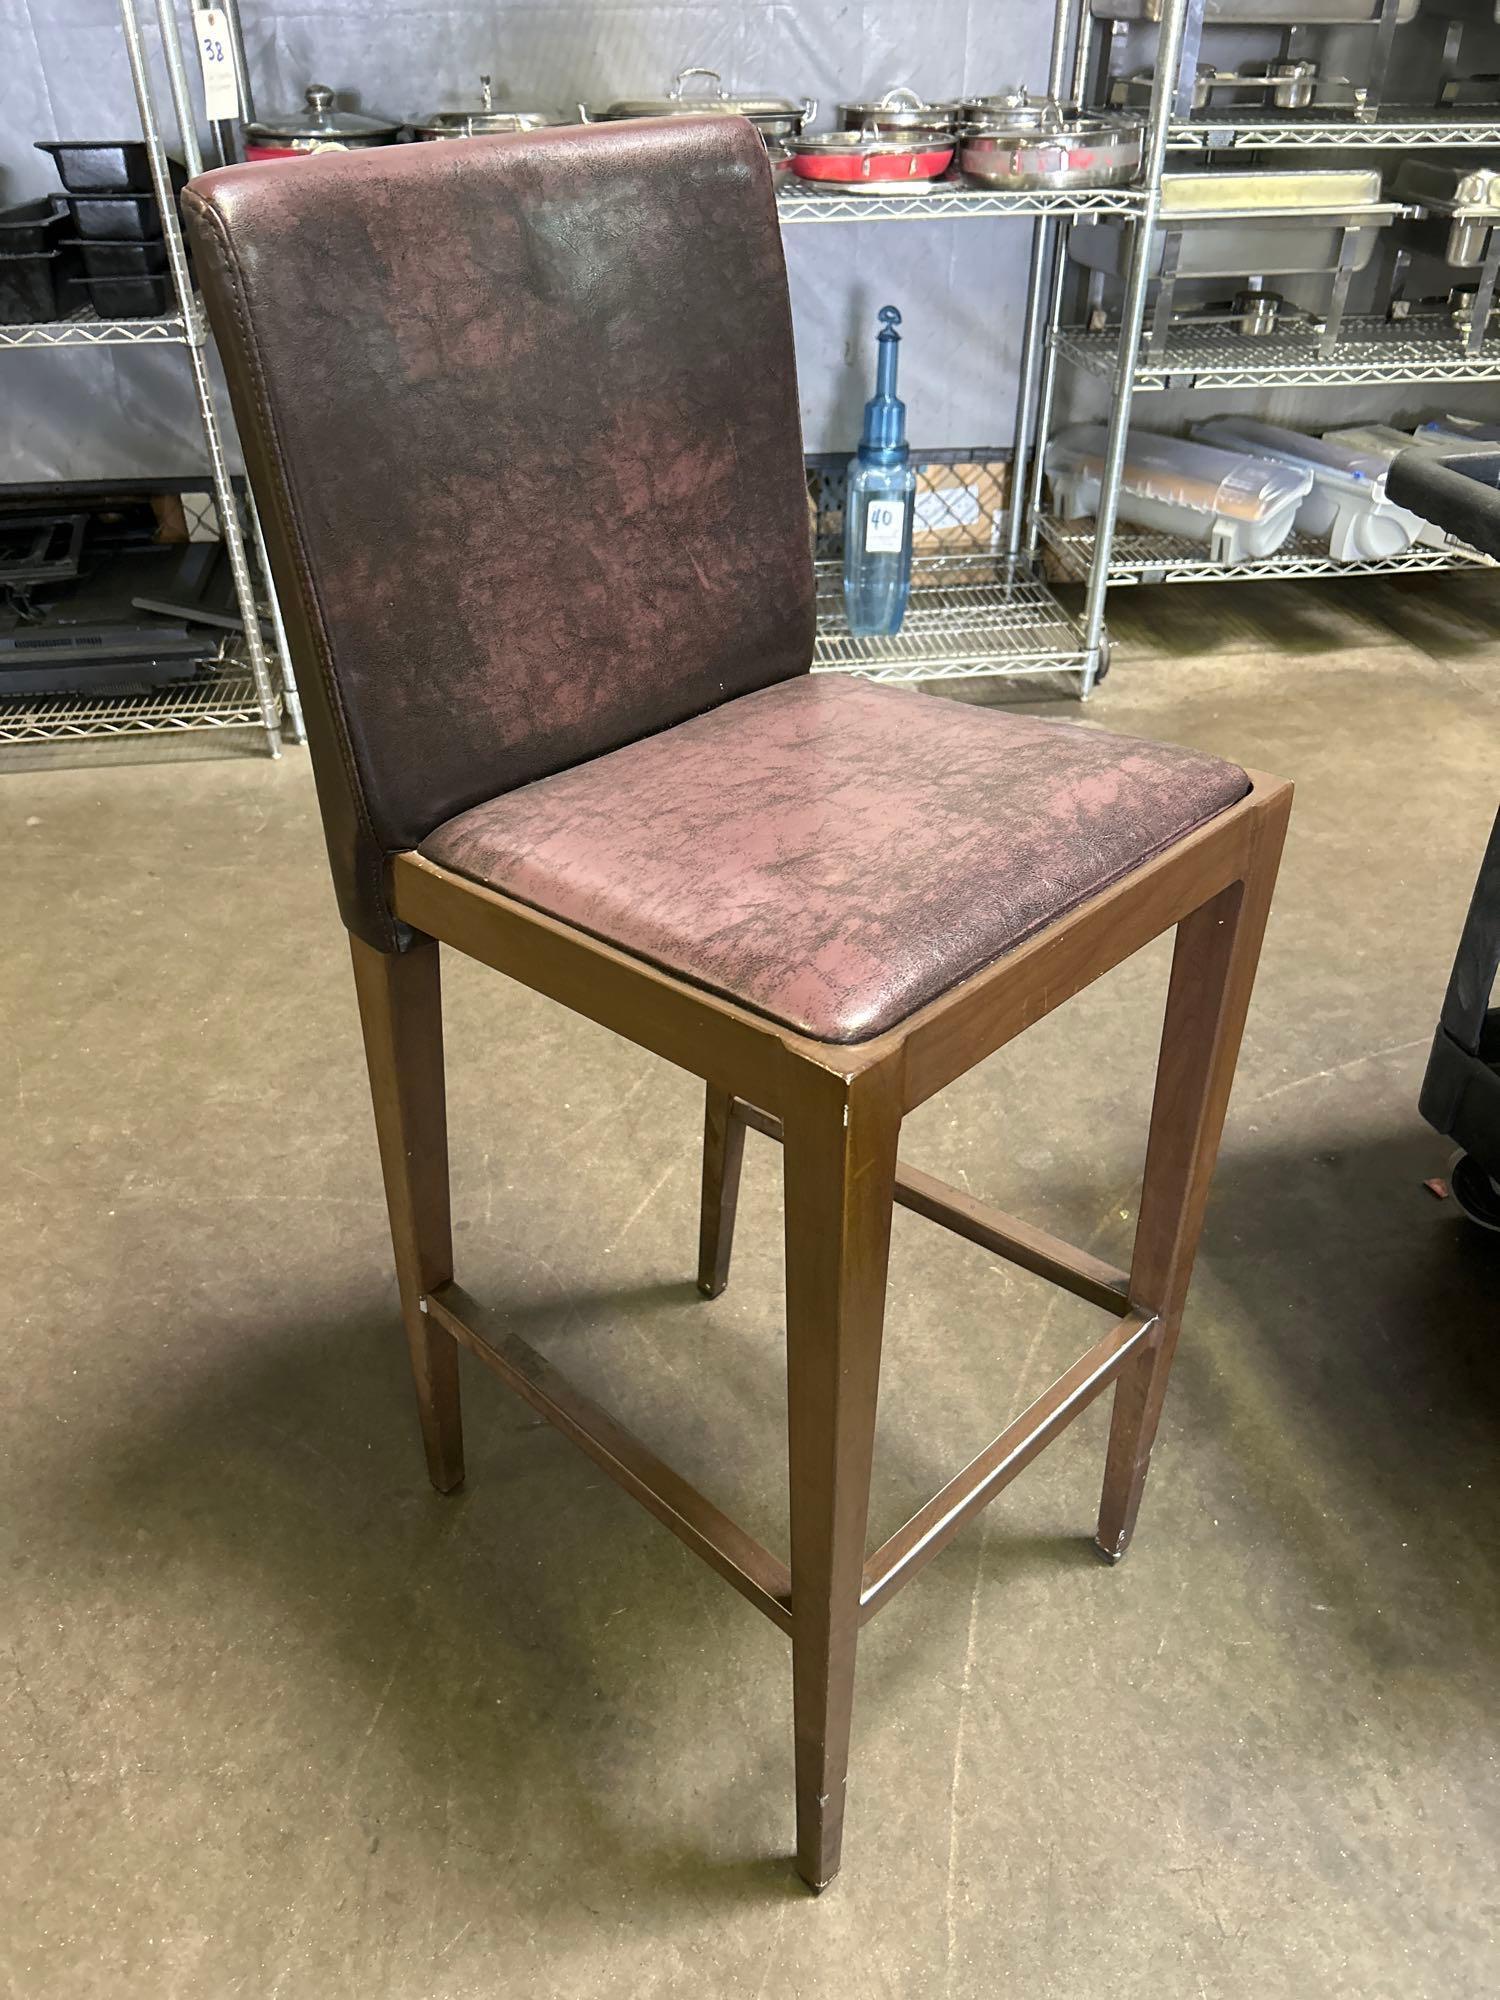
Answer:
[(253, 684), (1004, 620)]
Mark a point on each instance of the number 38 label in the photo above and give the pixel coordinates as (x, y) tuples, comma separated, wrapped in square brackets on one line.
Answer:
[(221, 97), (885, 526)]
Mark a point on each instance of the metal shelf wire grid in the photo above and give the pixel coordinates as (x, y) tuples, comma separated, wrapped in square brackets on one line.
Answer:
[(85, 329), (1371, 350), (966, 621), (1144, 556), (1245, 131), (954, 200), (224, 700)]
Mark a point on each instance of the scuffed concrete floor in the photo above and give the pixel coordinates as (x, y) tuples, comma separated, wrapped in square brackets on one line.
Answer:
[(280, 1722)]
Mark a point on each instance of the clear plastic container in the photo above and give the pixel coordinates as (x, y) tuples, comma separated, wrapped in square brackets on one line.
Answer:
[(1384, 441), (1347, 507), (1244, 506)]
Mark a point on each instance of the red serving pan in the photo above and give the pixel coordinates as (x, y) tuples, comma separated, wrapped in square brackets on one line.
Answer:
[(860, 160)]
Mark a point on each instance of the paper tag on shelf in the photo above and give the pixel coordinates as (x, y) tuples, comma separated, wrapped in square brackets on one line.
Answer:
[(885, 526), (221, 96)]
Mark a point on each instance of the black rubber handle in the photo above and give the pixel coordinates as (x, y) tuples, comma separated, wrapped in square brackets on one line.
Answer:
[(1458, 492)]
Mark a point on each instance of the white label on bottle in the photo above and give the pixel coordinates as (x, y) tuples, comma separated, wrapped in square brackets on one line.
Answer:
[(221, 97), (885, 527)]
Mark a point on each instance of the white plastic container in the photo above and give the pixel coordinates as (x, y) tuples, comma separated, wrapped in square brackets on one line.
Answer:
[(1347, 507), (1243, 506), (1384, 440)]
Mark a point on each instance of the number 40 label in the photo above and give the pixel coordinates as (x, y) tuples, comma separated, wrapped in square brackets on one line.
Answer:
[(221, 96), (885, 527)]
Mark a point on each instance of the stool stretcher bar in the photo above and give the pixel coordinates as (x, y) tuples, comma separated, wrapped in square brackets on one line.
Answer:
[(723, 1545), (932, 1527), (746, 1563), (1018, 1242)]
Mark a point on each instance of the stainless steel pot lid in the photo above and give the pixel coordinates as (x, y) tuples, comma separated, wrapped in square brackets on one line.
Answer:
[(901, 109), (1094, 130), (321, 120), (473, 121), (1016, 108), (860, 145), (762, 111)]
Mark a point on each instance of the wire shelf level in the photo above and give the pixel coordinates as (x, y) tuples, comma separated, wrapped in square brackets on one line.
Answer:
[(1371, 351), (1143, 556), (222, 701), (967, 620)]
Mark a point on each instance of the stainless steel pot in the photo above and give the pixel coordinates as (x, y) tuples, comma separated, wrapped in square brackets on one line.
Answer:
[(871, 161), (318, 128), (775, 117), (474, 121), (1013, 110), (901, 109), (1065, 153)]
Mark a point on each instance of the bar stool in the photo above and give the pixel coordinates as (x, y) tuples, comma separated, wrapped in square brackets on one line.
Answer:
[(521, 415)]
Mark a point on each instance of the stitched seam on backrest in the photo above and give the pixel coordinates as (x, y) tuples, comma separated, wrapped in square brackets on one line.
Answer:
[(280, 470)]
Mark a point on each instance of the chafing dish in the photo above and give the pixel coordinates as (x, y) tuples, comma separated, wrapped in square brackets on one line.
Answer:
[(1482, 90), (1316, 13), (1280, 86), (1466, 198), (1239, 225)]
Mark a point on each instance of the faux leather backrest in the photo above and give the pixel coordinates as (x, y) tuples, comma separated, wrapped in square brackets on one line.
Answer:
[(521, 416)]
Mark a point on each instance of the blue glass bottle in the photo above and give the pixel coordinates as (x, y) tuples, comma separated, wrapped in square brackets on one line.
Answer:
[(879, 501)]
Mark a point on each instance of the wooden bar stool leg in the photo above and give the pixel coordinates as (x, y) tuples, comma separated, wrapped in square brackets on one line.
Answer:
[(401, 1013), (1213, 973), (723, 1153), (840, 1183)]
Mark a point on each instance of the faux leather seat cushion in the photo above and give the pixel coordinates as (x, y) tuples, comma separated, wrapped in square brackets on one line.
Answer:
[(834, 853)]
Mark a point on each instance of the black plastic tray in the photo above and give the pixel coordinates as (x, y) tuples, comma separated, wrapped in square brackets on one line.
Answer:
[(100, 258), (120, 217), (127, 298), (31, 227), (106, 166), (28, 289)]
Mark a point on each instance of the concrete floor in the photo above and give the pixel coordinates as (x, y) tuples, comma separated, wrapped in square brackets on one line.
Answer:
[(283, 1723)]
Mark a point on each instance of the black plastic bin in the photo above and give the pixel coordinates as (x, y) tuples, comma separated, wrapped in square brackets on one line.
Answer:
[(98, 258), (28, 289), (1460, 492), (119, 217), (30, 228), (106, 166), (125, 298)]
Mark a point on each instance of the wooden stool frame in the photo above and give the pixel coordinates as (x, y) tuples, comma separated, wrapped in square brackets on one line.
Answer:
[(838, 1111)]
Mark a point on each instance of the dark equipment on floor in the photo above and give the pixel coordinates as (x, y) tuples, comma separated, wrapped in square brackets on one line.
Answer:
[(94, 600), (1460, 491)]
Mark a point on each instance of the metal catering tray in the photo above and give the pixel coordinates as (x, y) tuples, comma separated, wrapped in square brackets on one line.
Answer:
[(1235, 225), (1464, 200), (1320, 13)]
